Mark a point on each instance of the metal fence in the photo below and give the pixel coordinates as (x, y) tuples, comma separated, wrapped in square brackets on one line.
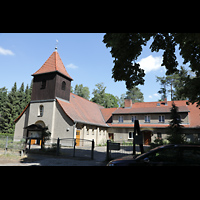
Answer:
[(7, 145), (118, 149), (67, 147), (122, 148)]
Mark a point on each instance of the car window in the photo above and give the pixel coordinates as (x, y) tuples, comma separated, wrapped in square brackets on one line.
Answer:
[(164, 155), (191, 156)]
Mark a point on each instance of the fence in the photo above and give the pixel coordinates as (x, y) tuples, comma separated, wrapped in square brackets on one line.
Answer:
[(7, 145), (118, 149), (68, 147)]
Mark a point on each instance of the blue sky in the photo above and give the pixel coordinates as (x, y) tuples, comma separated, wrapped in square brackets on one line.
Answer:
[(84, 55)]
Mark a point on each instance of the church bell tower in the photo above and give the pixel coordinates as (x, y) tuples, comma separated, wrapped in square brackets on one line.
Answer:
[(51, 80)]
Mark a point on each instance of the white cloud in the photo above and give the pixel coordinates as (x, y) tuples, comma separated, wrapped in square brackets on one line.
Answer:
[(150, 97), (6, 52), (71, 66), (150, 63), (156, 95)]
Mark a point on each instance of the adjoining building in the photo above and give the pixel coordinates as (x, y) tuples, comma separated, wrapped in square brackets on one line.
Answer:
[(67, 115)]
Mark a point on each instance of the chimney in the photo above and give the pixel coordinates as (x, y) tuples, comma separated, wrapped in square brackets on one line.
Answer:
[(128, 103), (165, 101)]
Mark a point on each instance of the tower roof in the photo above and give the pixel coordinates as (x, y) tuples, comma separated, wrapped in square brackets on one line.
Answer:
[(53, 64)]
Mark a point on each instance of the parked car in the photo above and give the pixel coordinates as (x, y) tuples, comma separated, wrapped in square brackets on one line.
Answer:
[(166, 155)]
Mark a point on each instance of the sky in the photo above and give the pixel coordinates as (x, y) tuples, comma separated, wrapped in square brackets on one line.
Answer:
[(85, 56)]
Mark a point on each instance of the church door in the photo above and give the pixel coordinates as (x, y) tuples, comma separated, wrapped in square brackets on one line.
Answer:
[(78, 137)]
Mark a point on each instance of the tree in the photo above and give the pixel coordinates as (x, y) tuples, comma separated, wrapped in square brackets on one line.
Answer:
[(135, 94), (126, 47), (82, 91), (102, 98), (174, 85), (11, 105), (175, 127), (3, 100)]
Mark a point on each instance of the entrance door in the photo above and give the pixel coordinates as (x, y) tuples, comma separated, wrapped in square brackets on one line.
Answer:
[(78, 137), (111, 136), (147, 137)]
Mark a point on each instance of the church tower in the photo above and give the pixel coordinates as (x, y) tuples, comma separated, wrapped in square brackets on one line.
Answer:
[(51, 80)]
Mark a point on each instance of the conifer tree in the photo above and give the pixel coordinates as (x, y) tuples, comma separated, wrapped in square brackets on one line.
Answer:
[(175, 127)]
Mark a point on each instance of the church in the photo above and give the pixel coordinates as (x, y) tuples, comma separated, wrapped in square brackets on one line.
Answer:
[(67, 115), (55, 108)]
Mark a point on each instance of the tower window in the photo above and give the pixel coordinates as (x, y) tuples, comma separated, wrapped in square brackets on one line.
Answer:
[(43, 85), (63, 85), (41, 111)]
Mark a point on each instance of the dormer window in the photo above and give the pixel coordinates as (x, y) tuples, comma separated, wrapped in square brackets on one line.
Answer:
[(63, 85)]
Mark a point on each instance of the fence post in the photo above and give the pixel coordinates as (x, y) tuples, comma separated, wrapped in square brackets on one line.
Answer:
[(92, 153), (29, 144), (74, 147), (6, 144), (108, 151), (58, 146)]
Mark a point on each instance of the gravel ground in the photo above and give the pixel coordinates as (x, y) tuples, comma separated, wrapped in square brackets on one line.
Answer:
[(49, 160), (62, 160)]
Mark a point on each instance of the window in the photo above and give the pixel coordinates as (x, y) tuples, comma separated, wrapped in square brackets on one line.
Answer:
[(121, 119), (161, 118), (133, 118), (43, 85), (41, 111), (130, 135), (63, 85), (147, 119)]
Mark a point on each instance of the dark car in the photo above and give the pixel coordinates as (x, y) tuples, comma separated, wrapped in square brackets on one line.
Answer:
[(166, 155)]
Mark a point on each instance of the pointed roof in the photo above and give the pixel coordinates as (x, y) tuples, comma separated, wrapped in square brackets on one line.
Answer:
[(53, 64)]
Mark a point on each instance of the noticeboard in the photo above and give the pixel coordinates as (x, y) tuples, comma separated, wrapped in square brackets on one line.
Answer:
[(114, 146)]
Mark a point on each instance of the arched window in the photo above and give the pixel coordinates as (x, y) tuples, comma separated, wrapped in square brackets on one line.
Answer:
[(41, 111), (63, 85)]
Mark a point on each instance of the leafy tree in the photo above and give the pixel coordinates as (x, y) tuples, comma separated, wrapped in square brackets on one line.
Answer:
[(102, 98), (173, 84), (135, 94), (82, 91), (175, 127), (126, 47)]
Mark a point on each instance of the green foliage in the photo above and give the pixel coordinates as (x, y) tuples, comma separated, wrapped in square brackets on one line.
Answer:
[(11, 105), (135, 94), (82, 91), (126, 47), (174, 85), (102, 98), (175, 128)]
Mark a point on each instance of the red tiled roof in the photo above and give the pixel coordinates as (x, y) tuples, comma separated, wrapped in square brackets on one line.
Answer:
[(151, 107), (107, 114), (82, 110), (52, 64)]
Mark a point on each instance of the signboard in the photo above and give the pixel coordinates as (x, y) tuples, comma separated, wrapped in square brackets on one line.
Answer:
[(35, 134), (114, 146), (138, 139)]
